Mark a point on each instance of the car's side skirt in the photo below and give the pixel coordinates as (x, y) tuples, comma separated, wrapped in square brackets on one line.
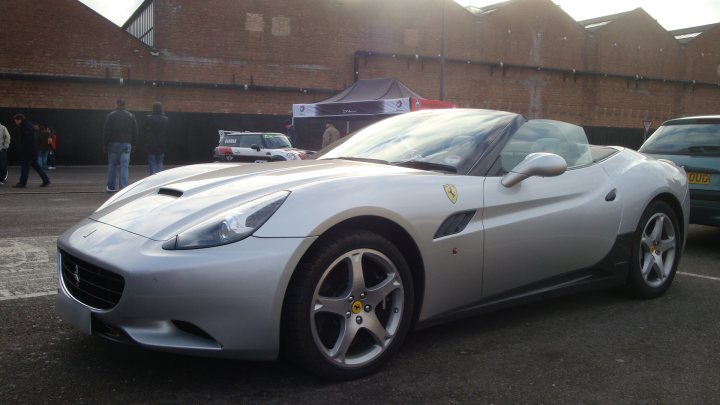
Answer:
[(611, 271)]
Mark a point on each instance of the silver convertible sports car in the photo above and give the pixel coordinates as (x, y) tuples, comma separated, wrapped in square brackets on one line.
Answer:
[(417, 219)]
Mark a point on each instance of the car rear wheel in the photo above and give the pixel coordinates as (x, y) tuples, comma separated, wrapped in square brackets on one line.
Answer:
[(348, 306), (656, 251)]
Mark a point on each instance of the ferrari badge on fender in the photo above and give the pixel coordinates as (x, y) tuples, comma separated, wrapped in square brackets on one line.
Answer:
[(451, 192)]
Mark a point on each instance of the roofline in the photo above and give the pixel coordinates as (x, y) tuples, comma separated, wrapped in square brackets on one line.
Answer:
[(704, 119), (692, 30), (604, 18), (489, 8), (495, 6), (699, 29), (97, 14)]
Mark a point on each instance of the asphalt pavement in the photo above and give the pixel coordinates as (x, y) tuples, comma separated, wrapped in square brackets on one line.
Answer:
[(67, 179)]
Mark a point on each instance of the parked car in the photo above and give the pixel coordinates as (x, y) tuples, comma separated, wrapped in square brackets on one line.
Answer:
[(258, 147), (417, 219), (693, 143)]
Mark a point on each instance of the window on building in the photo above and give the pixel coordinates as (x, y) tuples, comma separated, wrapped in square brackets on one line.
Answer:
[(141, 24)]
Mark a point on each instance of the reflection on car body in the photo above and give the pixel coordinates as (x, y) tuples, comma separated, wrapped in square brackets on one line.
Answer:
[(414, 220)]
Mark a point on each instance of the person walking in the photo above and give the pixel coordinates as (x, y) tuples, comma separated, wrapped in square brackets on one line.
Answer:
[(53, 148), (28, 152), (155, 134), (4, 145), (119, 134), (44, 146), (330, 135), (291, 133)]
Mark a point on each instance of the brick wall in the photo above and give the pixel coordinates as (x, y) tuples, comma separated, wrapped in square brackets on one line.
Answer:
[(519, 58)]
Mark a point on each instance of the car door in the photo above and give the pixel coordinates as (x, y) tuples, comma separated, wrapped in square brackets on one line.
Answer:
[(546, 227), (246, 152)]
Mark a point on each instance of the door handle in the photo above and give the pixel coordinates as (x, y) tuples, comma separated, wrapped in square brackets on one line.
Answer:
[(611, 195)]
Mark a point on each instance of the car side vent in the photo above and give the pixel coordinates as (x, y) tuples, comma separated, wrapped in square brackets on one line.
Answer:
[(455, 223), (171, 192)]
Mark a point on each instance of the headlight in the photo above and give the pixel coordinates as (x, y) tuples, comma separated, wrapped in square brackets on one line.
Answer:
[(231, 226)]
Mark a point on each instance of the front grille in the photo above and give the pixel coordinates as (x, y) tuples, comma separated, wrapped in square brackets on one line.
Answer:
[(89, 284)]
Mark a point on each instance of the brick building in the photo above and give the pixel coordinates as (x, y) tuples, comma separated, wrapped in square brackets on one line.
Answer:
[(241, 64)]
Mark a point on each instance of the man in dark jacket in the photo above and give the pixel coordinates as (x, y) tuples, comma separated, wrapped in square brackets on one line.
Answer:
[(291, 133), (155, 133), (120, 133), (28, 151)]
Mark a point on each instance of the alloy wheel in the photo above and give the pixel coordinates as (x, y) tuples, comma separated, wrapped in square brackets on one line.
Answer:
[(357, 308), (657, 249)]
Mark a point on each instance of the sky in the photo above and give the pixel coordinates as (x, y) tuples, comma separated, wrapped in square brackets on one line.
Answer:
[(117, 11), (671, 14)]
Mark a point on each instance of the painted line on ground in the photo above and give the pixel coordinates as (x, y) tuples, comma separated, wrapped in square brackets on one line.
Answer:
[(699, 276), (33, 295)]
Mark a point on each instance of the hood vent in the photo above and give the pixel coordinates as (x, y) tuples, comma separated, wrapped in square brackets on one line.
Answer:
[(455, 223), (171, 192)]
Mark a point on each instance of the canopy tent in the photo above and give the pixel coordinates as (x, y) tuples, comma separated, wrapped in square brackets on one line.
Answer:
[(367, 98)]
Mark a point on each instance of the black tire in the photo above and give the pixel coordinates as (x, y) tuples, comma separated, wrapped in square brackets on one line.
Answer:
[(327, 301), (657, 245)]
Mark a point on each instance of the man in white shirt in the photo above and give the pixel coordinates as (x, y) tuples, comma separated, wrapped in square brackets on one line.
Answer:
[(4, 145), (330, 135)]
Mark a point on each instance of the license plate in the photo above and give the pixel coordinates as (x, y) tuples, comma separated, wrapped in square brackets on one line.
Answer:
[(698, 178), (73, 312)]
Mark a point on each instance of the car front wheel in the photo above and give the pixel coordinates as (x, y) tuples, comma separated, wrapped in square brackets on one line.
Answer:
[(348, 306), (656, 251)]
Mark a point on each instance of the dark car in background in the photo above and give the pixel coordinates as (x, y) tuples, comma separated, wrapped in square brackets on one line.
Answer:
[(258, 147), (694, 143)]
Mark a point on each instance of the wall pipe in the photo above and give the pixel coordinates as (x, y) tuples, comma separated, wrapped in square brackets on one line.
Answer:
[(504, 66), (162, 83)]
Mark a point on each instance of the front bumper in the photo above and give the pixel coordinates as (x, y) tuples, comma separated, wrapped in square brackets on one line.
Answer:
[(705, 207), (223, 301)]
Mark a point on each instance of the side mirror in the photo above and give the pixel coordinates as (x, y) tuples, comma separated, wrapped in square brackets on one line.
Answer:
[(255, 148), (535, 164)]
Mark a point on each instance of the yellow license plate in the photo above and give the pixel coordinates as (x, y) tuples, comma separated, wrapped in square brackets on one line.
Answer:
[(698, 178)]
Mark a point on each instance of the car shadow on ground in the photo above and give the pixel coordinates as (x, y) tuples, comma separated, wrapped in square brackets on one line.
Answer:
[(704, 239)]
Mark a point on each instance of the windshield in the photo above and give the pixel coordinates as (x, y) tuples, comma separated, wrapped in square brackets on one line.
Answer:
[(276, 141), (433, 140), (684, 140)]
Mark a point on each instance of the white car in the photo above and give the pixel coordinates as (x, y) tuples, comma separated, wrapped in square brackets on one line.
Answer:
[(417, 219), (257, 147)]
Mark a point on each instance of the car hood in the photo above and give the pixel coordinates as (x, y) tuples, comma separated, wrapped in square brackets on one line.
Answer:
[(161, 206)]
